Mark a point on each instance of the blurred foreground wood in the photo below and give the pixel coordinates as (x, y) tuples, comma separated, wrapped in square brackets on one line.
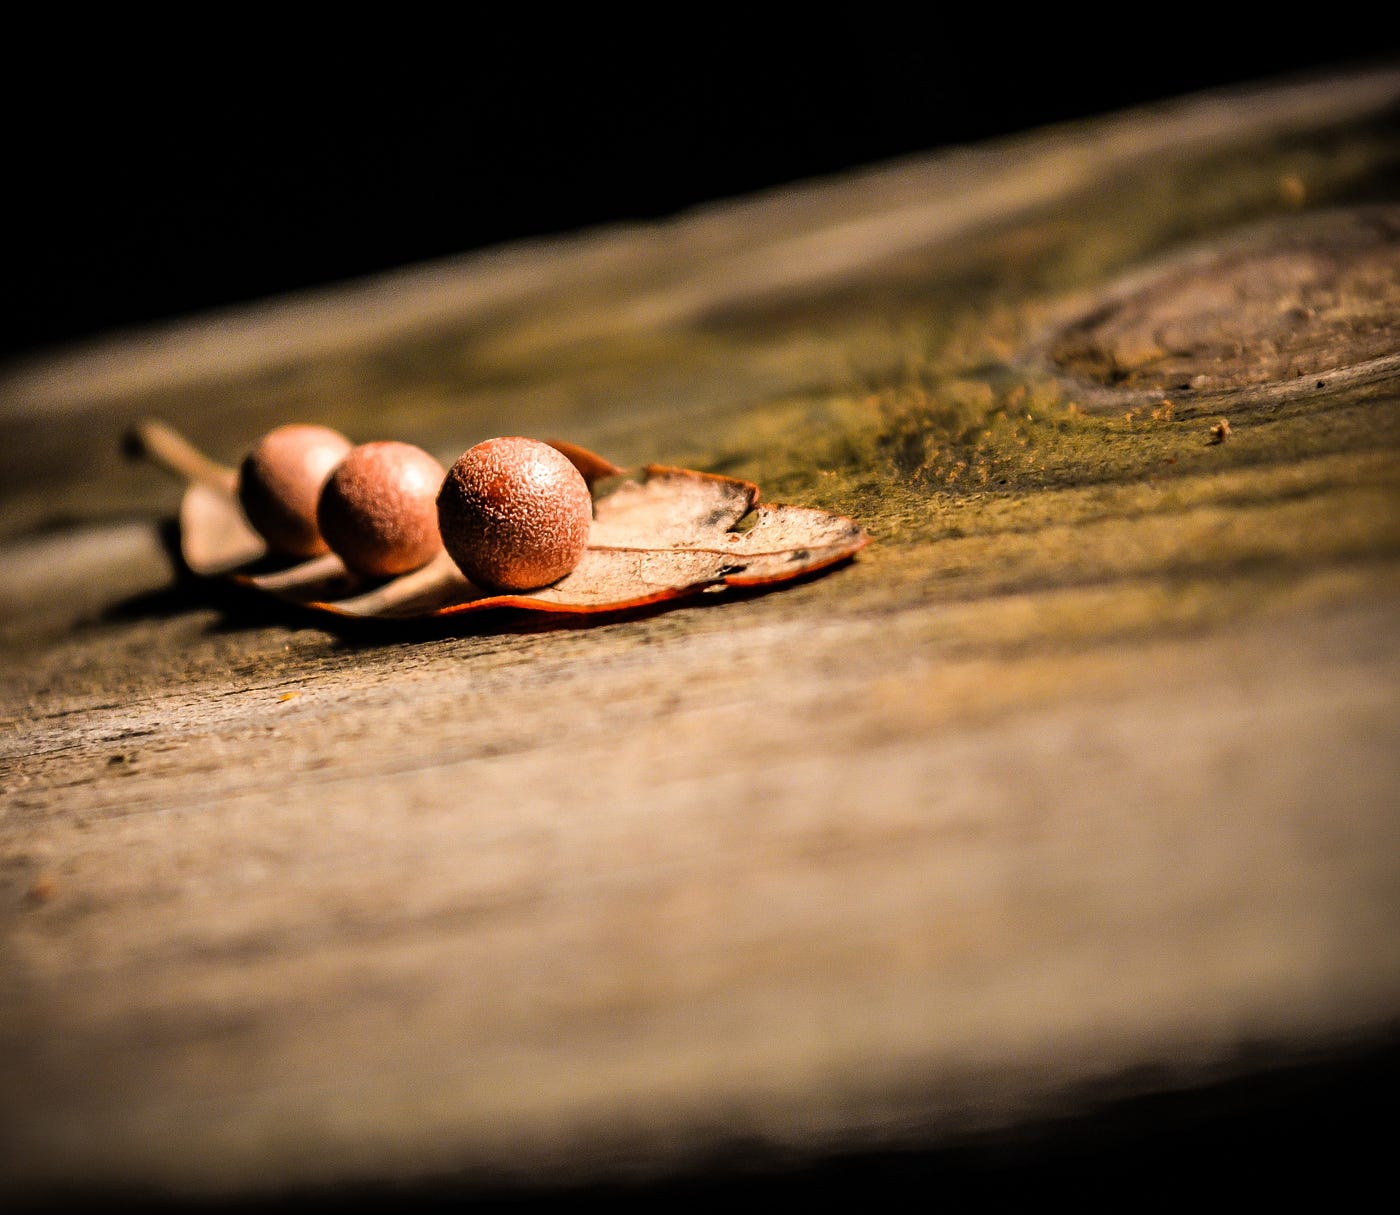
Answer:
[(1079, 784)]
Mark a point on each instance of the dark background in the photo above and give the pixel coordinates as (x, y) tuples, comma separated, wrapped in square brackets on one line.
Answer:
[(161, 173)]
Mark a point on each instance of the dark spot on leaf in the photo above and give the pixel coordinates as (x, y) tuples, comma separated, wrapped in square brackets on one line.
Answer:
[(44, 887)]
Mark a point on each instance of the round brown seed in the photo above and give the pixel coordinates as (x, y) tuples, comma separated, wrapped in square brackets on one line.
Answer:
[(514, 514), (378, 510), (279, 485)]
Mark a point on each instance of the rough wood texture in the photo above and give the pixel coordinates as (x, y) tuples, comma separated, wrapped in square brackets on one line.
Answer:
[(1081, 780)]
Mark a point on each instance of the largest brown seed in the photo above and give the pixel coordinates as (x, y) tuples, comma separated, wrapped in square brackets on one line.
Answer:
[(514, 514)]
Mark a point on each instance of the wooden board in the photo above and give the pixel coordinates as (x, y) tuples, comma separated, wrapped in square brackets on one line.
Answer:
[(1079, 783)]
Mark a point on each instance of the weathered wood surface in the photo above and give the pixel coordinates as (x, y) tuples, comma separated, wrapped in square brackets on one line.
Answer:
[(1084, 773)]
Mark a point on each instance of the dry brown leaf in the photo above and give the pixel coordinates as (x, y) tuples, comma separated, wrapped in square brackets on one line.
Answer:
[(672, 533)]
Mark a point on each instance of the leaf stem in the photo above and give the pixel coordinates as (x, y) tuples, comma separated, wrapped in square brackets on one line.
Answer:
[(165, 447)]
